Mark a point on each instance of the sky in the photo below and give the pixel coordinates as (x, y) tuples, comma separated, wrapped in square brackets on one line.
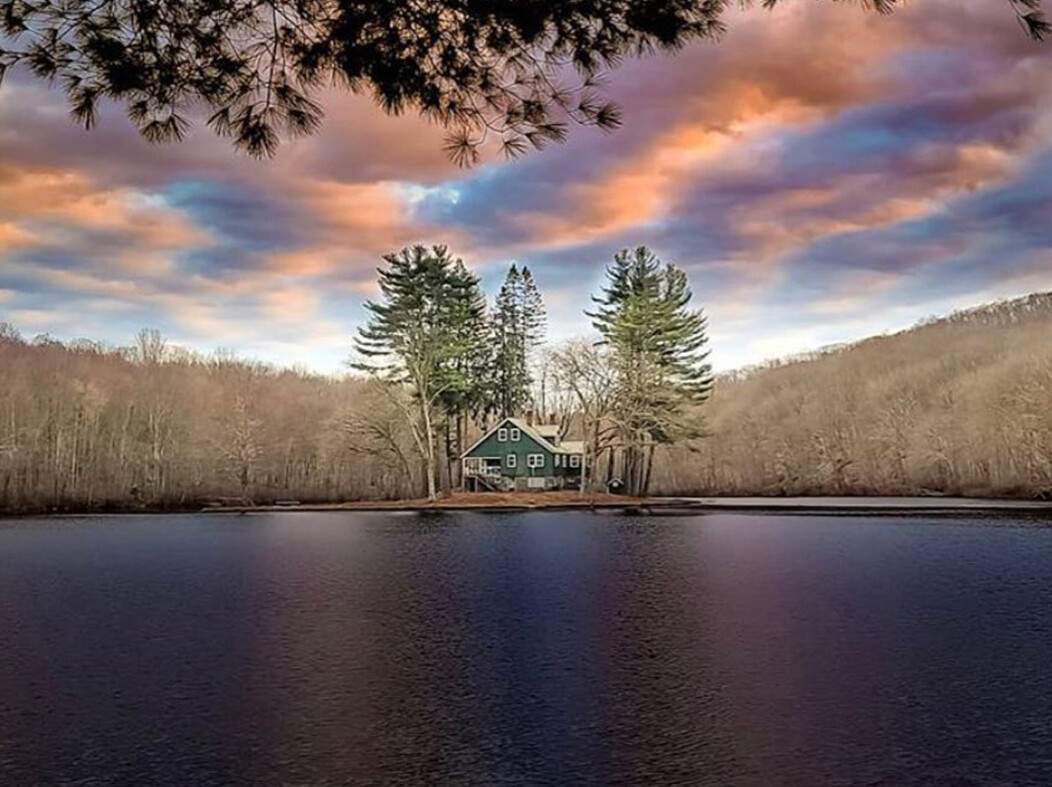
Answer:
[(822, 174)]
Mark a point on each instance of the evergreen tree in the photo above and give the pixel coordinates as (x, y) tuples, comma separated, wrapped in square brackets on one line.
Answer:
[(471, 393), (419, 335), (519, 325), (515, 73), (660, 350)]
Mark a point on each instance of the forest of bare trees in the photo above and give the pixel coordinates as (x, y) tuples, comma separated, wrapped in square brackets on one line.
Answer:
[(960, 405), (957, 405), (83, 426)]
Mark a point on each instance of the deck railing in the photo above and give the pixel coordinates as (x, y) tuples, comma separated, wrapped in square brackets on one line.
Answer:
[(477, 467)]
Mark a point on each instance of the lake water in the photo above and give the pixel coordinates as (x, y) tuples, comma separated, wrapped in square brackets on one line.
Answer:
[(527, 648)]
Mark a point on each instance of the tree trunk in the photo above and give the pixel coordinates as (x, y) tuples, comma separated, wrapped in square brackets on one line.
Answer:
[(645, 491), (448, 456), (584, 469), (429, 443), (462, 435)]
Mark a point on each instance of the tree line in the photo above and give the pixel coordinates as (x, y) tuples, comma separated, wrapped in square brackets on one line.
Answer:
[(956, 405), (87, 426), (959, 405)]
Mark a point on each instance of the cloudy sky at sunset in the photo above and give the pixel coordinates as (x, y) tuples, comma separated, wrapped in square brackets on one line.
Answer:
[(822, 174)]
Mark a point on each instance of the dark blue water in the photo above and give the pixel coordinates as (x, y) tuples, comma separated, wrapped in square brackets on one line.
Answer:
[(546, 648)]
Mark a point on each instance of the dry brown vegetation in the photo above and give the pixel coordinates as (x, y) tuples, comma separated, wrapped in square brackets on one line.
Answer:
[(960, 405), (83, 426)]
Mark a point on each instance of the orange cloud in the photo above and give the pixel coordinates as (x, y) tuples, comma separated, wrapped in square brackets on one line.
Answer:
[(13, 237), (356, 224), (788, 221), (290, 304), (637, 192), (775, 70), (69, 199)]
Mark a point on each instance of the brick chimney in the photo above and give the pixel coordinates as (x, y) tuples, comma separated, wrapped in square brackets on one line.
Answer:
[(529, 417)]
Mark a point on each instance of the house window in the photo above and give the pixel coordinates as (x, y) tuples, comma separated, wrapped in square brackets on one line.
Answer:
[(556, 460), (502, 435), (511, 460), (535, 460), (515, 435), (575, 460)]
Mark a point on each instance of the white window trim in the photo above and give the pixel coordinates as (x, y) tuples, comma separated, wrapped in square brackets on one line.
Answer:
[(535, 460), (575, 460), (502, 435), (511, 460), (514, 435)]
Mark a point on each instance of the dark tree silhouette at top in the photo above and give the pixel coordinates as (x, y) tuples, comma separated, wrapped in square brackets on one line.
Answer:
[(515, 71)]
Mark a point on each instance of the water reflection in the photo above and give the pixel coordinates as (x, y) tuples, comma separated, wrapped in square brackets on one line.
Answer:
[(528, 648)]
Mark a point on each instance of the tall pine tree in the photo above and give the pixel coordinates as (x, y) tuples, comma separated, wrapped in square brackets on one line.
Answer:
[(519, 325), (419, 334), (660, 350), (471, 394)]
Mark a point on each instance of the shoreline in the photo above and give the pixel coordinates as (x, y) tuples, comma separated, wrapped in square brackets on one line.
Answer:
[(683, 504), (554, 501)]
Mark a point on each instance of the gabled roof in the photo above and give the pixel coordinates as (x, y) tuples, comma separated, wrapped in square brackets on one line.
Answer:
[(537, 433), (548, 431)]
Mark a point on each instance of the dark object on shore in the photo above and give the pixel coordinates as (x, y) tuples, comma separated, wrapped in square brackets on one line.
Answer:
[(229, 502), (615, 486), (287, 503)]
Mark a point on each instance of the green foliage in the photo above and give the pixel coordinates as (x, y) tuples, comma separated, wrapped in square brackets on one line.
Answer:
[(478, 68), (659, 347), (425, 334), (470, 368), (518, 329), (516, 71), (428, 320), (644, 315)]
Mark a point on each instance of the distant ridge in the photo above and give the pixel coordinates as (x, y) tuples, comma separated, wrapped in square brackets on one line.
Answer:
[(1036, 307), (1009, 311)]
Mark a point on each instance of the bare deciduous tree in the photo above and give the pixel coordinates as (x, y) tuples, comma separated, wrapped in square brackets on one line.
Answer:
[(586, 371)]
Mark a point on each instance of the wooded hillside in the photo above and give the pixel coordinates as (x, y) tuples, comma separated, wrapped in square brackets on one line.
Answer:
[(961, 405), (958, 405), (83, 426)]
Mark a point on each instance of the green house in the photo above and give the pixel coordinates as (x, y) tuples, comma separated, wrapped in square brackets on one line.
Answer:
[(516, 454)]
